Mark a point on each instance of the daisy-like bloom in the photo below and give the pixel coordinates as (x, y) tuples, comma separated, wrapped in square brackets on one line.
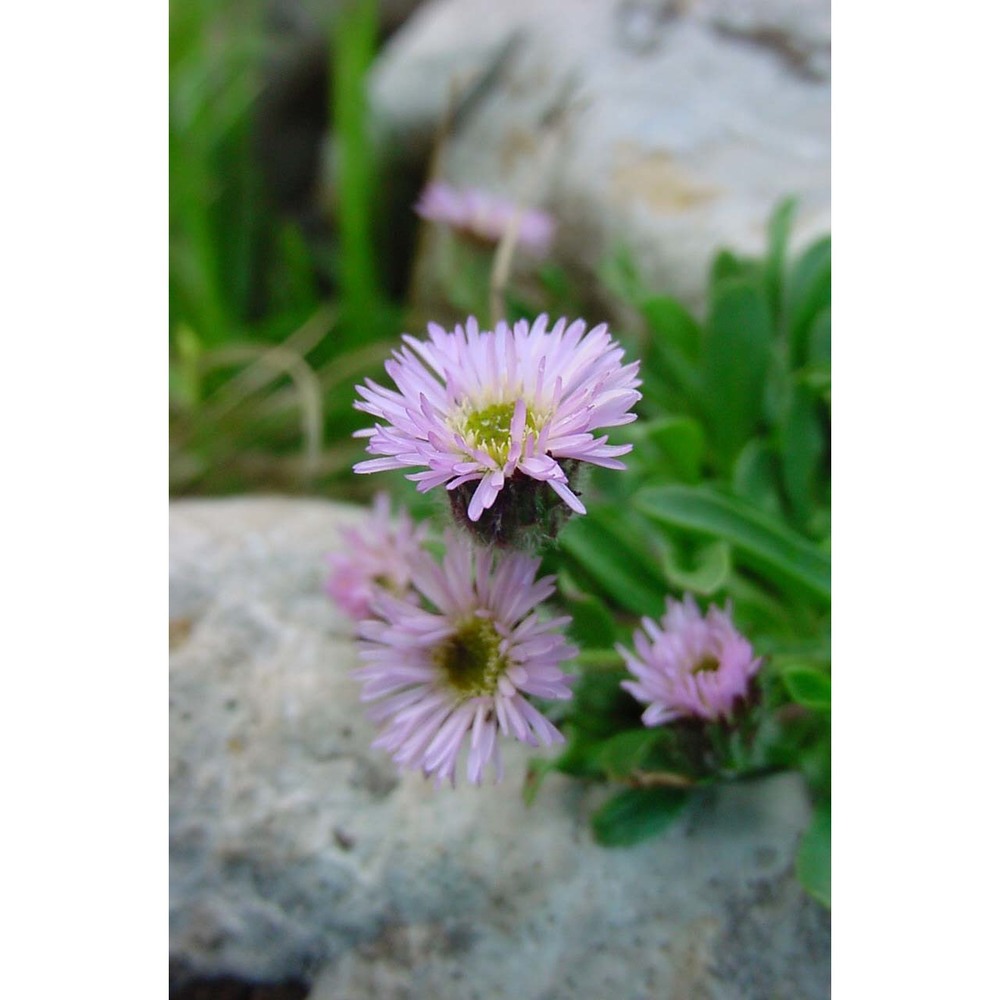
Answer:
[(460, 666), (486, 406), (375, 557), (486, 217), (689, 665)]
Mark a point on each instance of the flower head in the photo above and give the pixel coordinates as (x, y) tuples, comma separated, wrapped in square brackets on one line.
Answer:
[(689, 665), (486, 217), (375, 557), (484, 407), (462, 666)]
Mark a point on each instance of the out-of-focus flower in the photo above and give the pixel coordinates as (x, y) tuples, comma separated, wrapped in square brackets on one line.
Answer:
[(486, 406), (460, 666), (375, 557), (689, 665), (485, 216)]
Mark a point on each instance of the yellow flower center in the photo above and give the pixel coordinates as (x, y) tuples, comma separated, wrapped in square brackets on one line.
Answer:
[(488, 428), (471, 658), (706, 665)]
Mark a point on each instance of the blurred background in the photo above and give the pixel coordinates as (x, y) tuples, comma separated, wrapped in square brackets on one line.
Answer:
[(302, 132)]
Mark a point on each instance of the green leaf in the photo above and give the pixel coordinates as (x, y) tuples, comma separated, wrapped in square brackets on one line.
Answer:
[(813, 864), (636, 814), (670, 363), (599, 709), (808, 295), (626, 752), (802, 443), (778, 231), (673, 326), (569, 586), (581, 758), (728, 267), (607, 548), (592, 625), (766, 543), (756, 476), (737, 357), (818, 345), (355, 39), (808, 686), (704, 572), (681, 443), (760, 612)]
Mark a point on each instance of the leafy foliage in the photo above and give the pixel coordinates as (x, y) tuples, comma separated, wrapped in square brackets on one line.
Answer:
[(270, 325), (727, 496)]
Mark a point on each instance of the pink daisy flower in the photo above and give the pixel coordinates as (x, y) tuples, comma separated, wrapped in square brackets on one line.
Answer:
[(375, 557), (689, 665), (457, 670), (486, 217), (484, 406)]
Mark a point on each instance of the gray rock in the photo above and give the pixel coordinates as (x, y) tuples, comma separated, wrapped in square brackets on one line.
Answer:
[(296, 852), (669, 128)]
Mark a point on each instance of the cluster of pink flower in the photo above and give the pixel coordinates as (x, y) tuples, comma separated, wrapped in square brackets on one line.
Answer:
[(450, 649)]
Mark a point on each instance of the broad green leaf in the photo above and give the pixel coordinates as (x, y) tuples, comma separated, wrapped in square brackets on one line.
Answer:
[(728, 267), (681, 442), (737, 356), (569, 586), (777, 389), (704, 572), (756, 476), (636, 814), (607, 548), (802, 443), (816, 380), (670, 364), (813, 864), (760, 612), (581, 758), (818, 345), (592, 626), (600, 708), (808, 295), (808, 686), (671, 325), (778, 231), (766, 543), (626, 752)]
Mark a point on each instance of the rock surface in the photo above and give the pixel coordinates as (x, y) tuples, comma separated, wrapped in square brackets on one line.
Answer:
[(670, 127), (298, 853)]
